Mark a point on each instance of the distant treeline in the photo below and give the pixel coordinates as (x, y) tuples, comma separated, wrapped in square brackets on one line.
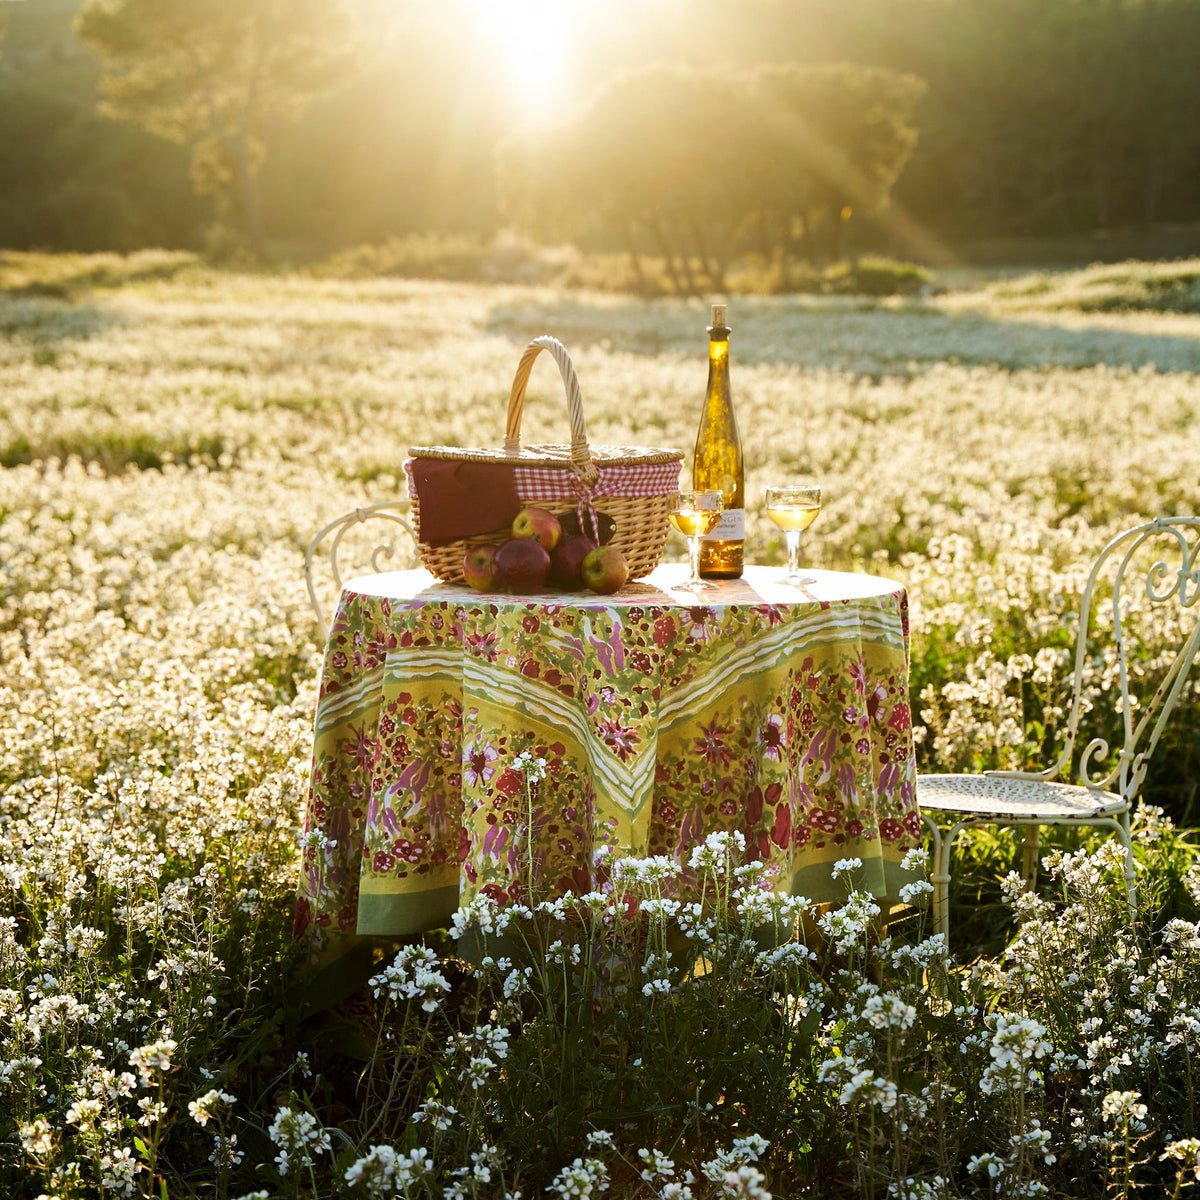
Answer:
[(702, 166), (985, 118)]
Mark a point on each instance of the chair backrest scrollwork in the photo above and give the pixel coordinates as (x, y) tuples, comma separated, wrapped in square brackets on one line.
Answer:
[(393, 512), (1157, 564)]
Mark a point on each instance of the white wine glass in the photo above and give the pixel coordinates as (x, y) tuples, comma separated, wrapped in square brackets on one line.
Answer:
[(794, 507), (694, 514)]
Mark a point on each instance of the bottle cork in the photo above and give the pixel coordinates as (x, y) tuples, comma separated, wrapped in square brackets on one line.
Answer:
[(718, 316)]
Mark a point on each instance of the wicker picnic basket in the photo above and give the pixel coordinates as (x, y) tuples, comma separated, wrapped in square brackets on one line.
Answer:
[(632, 485)]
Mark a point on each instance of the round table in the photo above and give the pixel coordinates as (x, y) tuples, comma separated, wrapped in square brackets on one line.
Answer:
[(661, 716)]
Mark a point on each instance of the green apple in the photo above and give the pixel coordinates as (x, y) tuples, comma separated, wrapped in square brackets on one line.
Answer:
[(605, 569)]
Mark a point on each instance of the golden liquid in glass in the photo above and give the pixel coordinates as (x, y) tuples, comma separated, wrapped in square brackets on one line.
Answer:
[(795, 517), (694, 522)]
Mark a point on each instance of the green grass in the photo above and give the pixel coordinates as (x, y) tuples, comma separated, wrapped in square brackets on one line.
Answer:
[(1168, 287), (63, 276)]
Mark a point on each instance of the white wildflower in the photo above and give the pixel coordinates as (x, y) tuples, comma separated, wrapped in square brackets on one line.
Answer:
[(118, 1170), (1187, 1152), (1124, 1108), (886, 1010), (657, 1165), (844, 866), (151, 1058), (203, 1108), (299, 1136), (440, 1116), (584, 1177)]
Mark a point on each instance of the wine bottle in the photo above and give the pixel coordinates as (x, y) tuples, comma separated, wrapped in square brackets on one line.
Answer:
[(717, 465)]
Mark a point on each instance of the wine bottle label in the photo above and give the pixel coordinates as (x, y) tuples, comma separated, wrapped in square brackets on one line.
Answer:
[(730, 528)]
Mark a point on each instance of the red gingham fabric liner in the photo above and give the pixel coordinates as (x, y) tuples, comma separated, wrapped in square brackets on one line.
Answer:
[(647, 479)]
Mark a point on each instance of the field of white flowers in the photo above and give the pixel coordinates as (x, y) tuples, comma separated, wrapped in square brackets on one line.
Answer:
[(169, 441)]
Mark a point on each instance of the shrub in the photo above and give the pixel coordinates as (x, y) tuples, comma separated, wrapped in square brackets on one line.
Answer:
[(869, 276), (454, 257)]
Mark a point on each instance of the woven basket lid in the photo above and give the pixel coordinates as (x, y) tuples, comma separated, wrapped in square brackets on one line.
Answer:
[(552, 454)]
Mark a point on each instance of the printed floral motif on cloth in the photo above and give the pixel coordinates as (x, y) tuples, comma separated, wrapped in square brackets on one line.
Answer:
[(659, 720)]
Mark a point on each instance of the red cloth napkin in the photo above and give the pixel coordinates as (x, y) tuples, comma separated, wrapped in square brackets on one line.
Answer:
[(462, 499)]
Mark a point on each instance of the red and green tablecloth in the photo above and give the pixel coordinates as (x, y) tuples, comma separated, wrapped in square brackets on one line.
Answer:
[(661, 717)]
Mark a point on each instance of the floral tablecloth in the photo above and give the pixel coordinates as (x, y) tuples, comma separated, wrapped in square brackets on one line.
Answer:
[(660, 717)]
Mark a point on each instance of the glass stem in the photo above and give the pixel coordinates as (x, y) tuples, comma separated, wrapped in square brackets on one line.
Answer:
[(793, 545), (694, 557)]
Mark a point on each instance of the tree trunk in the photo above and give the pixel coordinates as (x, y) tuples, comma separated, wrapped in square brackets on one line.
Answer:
[(660, 241), (712, 265), (765, 247), (775, 257), (790, 248), (718, 271), (247, 170), (685, 261), (835, 231), (249, 200), (639, 276), (635, 260), (806, 241)]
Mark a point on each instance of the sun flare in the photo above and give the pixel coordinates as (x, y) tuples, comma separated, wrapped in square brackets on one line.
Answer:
[(531, 41)]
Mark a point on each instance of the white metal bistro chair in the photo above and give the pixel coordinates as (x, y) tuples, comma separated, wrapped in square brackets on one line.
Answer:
[(391, 512), (1109, 779)]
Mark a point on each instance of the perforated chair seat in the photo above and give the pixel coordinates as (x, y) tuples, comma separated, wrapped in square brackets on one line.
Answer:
[(1000, 798)]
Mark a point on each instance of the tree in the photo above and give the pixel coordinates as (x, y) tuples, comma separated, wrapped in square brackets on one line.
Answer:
[(406, 145), (686, 160), (841, 134), (655, 160), (217, 76)]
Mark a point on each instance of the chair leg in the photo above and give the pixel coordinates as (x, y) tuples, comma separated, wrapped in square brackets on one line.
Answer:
[(1120, 826), (1029, 857), (940, 878), (943, 848)]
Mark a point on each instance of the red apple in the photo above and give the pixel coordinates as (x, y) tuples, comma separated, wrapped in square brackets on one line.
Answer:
[(479, 567), (605, 569), (567, 561), (538, 523), (522, 565)]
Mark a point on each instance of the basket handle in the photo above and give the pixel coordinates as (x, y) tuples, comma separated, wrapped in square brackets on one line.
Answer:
[(581, 455)]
